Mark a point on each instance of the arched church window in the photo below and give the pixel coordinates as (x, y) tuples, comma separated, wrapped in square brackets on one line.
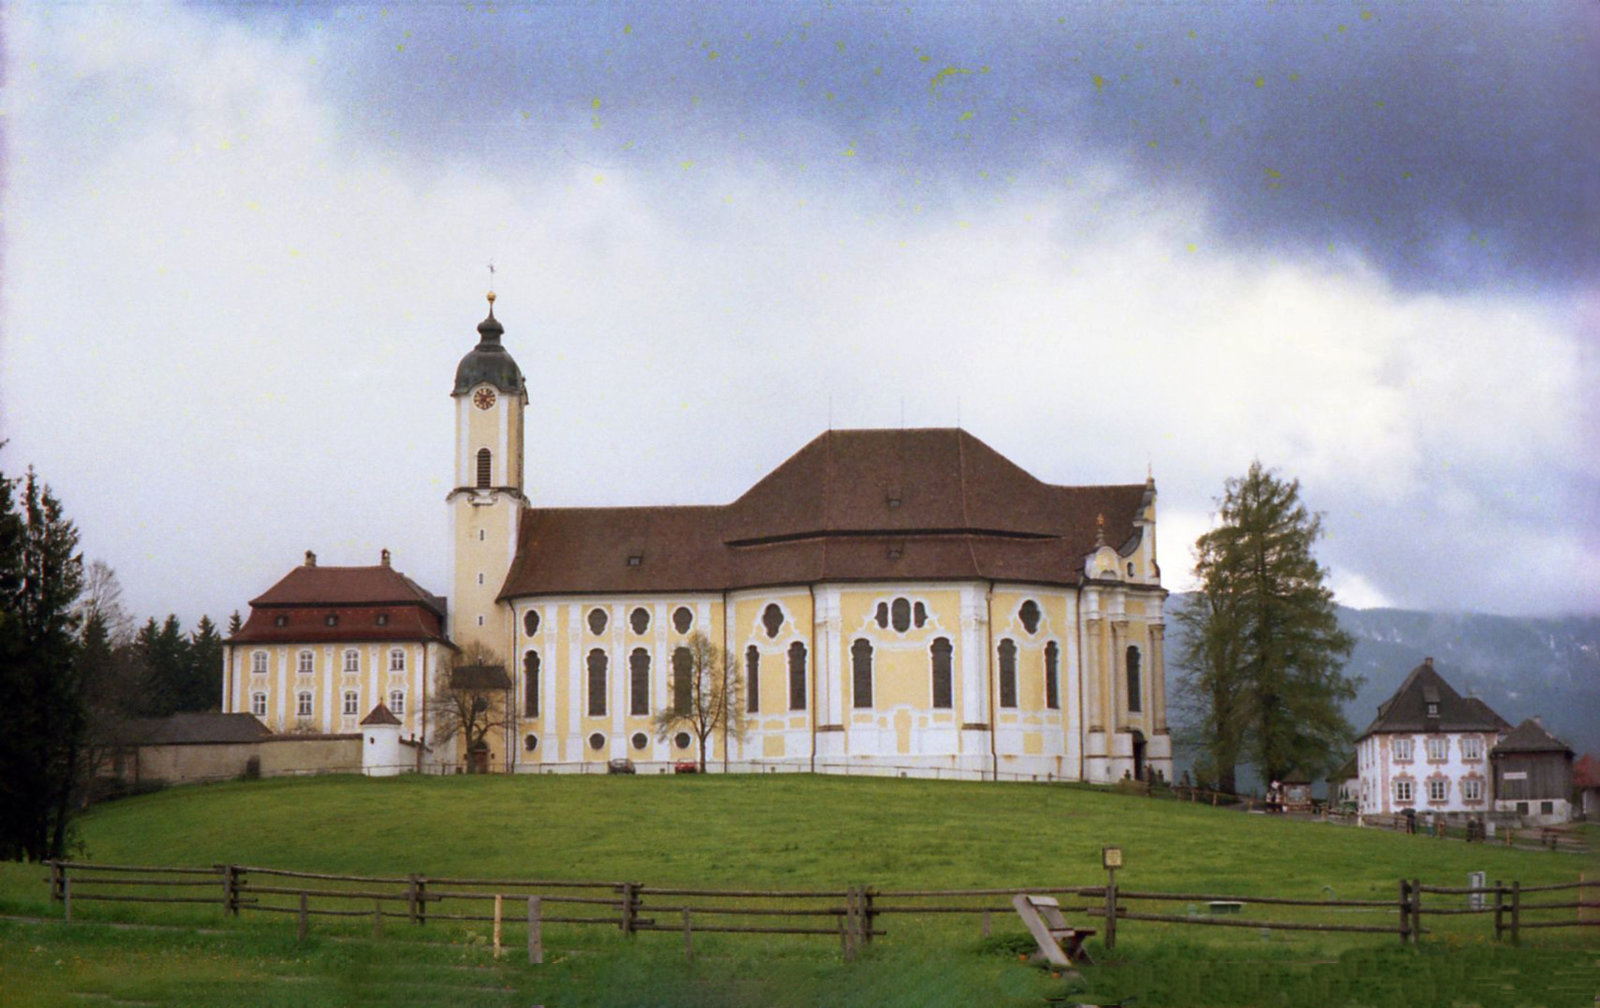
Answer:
[(682, 671), (597, 621), (639, 682), (861, 672), (597, 683), (1008, 673), (639, 619), (484, 467), (919, 615), (1029, 615), (752, 679), (939, 660), (682, 619), (797, 676), (772, 619), (1052, 676), (1135, 703), (882, 615), (530, 684)]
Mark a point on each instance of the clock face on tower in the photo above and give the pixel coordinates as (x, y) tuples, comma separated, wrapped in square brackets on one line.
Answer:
[(483, 398)]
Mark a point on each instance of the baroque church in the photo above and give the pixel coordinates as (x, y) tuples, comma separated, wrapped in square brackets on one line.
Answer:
[(898, 602)]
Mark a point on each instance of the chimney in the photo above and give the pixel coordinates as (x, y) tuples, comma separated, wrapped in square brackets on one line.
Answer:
[(311, 559), (1428, 661), (385, 557)]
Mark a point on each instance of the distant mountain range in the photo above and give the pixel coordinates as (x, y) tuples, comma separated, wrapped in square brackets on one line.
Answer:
[(1518, 666)]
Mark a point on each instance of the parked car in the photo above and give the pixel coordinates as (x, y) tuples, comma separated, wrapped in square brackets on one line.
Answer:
[(686, 766), (623, 765)]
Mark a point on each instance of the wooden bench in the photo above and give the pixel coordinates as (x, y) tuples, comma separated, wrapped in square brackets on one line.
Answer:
[(1059, 942)]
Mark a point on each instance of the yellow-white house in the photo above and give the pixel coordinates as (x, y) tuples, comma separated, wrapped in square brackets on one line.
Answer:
[(900, 601)]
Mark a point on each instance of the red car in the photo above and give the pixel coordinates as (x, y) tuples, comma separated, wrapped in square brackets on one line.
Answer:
[(686, 766)]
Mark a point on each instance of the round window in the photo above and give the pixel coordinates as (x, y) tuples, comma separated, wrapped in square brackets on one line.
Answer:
[(639, 740), (682, 619), (597, 621), (639, 619), (530, 622), (597, 741), (681, 740), (531, 743)]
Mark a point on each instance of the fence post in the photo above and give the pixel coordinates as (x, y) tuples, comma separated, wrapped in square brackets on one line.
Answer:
[(497, 911), (1416, 911), (535, 939), (630, 907), (1516, 912), (66, 899), (1499, 909), (1405, 912), (58, 872), (868, 915), (305, 922), (411, 898), (422, 899), (1111, 910), (986, 923), (688, 937), (377, 918)]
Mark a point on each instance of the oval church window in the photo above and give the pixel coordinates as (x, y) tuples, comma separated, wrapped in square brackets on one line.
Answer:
[(530, 622), (639, 619), (597, 621), (682, 619)]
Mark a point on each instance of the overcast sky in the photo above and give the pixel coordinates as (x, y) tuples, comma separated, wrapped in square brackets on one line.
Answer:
[(244, 249)]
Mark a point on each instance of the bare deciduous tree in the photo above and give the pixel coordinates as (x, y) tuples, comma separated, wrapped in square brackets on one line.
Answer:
[(471, 701), (707, 688)]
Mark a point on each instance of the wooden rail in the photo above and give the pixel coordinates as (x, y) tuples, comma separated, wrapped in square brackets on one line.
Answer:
[(853, 914)]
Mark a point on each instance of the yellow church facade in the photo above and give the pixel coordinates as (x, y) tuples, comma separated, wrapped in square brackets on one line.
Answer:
[(897, 602)]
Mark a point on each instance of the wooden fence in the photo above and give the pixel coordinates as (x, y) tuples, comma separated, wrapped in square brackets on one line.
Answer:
[(853, 914)]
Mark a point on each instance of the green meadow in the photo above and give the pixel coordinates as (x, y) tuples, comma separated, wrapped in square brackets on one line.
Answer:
[(776, 831)]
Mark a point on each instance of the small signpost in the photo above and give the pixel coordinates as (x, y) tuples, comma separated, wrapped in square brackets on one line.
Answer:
[(1111, 858)]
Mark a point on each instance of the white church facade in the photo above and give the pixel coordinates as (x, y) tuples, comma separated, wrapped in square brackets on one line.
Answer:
[(898, 601)]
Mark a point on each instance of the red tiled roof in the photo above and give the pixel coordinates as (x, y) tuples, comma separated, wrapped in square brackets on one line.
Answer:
[(306, 585), (381, 714), (1586, 772), (932, 504), (357, 596)]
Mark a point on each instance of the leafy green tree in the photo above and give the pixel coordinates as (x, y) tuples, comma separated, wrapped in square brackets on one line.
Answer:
[(1264, 656), (706, 695), (42, 718)]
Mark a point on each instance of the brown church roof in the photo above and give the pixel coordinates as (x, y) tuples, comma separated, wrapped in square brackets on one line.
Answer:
[(930, 504), (1407, 710)]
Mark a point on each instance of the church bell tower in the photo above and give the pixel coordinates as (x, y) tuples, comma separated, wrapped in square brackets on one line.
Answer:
[(489, 398)]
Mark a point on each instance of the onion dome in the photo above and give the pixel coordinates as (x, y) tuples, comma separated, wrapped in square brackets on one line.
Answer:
[(488, 362)]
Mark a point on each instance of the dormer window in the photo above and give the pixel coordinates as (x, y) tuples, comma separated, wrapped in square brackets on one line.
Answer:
[(635, 559), (332, 619), (1433, 710), (383, 619), (281, 621)]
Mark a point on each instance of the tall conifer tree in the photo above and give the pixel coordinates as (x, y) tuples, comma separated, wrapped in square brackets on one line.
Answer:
[(1265, 656)]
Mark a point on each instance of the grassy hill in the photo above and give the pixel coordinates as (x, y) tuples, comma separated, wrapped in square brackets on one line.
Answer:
[(770, 831)]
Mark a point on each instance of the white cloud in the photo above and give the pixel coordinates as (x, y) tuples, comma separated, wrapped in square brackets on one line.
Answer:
[(231, 328)]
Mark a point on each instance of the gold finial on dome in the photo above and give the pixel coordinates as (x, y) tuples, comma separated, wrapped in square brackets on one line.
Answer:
[(491, 297)]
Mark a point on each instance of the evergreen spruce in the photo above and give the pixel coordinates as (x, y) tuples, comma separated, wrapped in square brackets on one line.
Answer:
[(42, 715), (1264, 657)]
